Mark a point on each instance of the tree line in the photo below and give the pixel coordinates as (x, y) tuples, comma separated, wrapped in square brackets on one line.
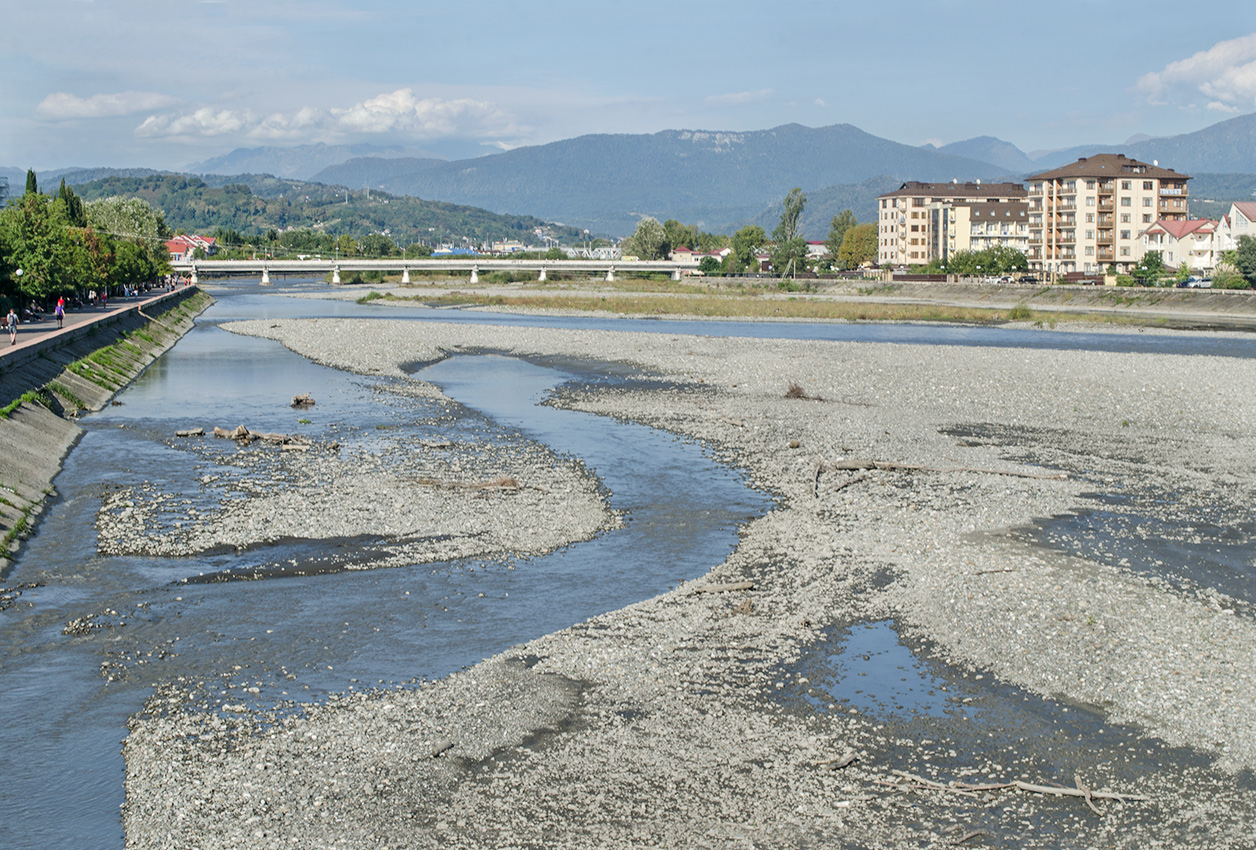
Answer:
[(850, 245), (60, 245)]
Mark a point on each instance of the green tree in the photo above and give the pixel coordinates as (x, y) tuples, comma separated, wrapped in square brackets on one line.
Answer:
[(71, 206), (1245, 259), (346, 245), (648, 241), (378, 245), (32, 185), (709, 265), (837, 232), (746, 244), (789, 253), (1150, 268), (859, 245), (679, 235)]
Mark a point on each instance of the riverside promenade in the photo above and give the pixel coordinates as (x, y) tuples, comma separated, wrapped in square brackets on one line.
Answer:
[(34, 337)]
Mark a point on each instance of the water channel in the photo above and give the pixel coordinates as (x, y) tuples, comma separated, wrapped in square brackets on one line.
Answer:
[(65, 699)]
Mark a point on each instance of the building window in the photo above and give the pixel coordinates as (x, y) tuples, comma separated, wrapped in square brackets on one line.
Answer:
[(1090, 218), (1090, 201), (1090, 184), (1125, 234), (1090, 250), (1146, 202), (1146, 218), (1125, 201), (1125, 251), (1090, 234), (1147, 185), (1125, 184)]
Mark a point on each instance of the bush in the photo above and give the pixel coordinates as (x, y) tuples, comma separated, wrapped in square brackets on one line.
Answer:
[(1229, 280)]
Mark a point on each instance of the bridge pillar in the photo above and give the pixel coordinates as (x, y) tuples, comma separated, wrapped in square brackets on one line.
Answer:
[(195, 278), (405, 275), (335, 274), (542, 275), (475, 274), (265, 276), (610, 273), (675, 274)]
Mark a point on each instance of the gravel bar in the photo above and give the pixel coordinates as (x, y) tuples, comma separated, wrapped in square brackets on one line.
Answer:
[(905, 477)]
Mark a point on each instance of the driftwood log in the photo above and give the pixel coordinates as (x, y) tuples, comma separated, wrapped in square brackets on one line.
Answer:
[(303, 400), (190, 432), (968, 790)]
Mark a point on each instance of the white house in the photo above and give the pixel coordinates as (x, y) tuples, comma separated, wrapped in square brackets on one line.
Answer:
[(1191, 242)]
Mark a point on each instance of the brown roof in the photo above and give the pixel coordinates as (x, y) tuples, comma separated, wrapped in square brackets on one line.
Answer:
[(1179, 229), (915, 189), (1247, 208), (1108, 165)]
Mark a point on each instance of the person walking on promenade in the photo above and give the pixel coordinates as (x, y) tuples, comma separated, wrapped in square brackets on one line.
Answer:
[(60, 312), (11, 321)]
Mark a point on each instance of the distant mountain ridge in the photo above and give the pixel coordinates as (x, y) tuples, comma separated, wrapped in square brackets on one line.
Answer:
[(300, 162), (716, 180), (1228, 146)]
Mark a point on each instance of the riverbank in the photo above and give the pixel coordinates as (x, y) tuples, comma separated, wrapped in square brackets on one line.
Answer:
[(729, 298), (903, 475), (46, 383)]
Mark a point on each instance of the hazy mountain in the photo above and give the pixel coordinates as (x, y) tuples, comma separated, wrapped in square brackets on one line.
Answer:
[(713, 179), (362, 172), (822, 204), (300, 162), (994, 151), (1226, 147)]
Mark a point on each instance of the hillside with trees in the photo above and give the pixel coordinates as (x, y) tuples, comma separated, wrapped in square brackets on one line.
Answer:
[(254, 205)]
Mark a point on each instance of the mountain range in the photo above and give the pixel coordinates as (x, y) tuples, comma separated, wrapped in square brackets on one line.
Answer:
[(716, 180)]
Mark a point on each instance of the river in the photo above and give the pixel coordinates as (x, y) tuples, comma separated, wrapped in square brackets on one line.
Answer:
[(66, 698)]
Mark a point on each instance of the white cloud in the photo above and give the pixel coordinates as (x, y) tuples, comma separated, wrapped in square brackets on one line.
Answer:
[(398, 112), (63, 105), (820, 102), (202, 122), (1225, 74), (739, 98)]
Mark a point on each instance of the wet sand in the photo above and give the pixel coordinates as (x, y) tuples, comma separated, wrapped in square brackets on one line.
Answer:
[(685, 720)]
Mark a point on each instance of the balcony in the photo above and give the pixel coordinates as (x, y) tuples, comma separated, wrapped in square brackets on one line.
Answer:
[(1165, 191), (1107, 206)]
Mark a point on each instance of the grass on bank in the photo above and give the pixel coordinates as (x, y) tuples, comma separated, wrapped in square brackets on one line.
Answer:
[(704, 303)]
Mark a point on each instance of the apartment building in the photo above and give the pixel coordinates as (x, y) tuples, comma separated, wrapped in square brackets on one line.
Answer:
[(920, 222), (1090, 215)]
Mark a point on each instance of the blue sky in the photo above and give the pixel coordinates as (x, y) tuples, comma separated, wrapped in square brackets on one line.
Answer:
[(163, 84)]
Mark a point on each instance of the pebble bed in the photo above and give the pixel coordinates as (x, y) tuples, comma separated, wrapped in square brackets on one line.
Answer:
[(664, 724)]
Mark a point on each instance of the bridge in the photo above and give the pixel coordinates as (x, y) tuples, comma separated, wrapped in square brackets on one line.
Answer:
[(316, 268)]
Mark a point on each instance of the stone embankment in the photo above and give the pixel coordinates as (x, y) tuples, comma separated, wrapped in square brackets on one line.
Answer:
[(44, 386), (905, 476)]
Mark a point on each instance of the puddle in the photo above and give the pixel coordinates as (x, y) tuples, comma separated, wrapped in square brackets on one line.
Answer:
[(871, 671)]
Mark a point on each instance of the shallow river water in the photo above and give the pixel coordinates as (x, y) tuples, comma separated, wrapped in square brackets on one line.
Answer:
[(65, 699)]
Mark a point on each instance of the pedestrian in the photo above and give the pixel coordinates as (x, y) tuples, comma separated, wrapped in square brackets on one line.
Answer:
[(61, 312), (11, 320)]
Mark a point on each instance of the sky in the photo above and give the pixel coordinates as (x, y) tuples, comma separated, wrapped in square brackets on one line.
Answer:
[(166, 83)]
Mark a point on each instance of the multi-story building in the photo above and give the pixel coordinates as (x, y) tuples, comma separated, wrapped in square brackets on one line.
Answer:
[(1191, 243), (920, 222), (1089, 216)]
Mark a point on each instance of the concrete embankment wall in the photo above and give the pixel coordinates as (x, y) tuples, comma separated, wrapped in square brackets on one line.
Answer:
[(44, 386)]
